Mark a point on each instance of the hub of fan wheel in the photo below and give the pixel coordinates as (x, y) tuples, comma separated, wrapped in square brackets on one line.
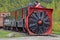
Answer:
[(40, 22)]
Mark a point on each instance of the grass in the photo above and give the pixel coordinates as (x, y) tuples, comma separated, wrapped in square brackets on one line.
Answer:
[(56, 27), (3, 34)]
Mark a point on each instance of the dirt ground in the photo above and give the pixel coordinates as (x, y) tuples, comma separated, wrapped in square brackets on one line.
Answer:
[(51, 37)]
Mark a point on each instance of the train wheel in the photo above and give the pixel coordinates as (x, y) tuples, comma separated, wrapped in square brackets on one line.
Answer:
[(16, 29), (4, 28), (11, 28), (24, 30)]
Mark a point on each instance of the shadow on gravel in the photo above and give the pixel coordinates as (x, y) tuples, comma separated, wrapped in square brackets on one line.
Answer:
[(54, 35)]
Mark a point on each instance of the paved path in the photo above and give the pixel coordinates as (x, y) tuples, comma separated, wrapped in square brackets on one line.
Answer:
[(54, 37)]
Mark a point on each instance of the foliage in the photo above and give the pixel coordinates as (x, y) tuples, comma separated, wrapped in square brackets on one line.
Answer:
[(10, 5)]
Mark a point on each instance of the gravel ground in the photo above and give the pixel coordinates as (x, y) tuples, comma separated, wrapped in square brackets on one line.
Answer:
[(52, 37)]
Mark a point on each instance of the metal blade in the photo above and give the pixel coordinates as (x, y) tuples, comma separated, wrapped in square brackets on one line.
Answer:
[(32, 20), (46, 22), (30, 25), (34, 16)]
